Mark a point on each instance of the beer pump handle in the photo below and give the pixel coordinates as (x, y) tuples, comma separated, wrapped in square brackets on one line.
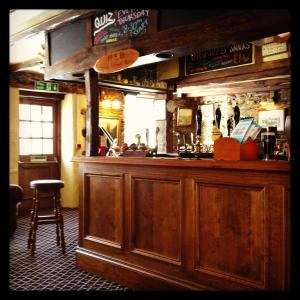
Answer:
[(218, 116), (198, 120), (236, 111)]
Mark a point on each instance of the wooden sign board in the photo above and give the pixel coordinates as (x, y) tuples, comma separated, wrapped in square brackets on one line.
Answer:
[(117, 25), (219, 58), (116, 61)]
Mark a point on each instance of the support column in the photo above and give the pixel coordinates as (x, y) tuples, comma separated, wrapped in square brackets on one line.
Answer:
[(92, 113)]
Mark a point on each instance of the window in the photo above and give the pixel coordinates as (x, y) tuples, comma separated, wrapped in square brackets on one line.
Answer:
[(38, 130), (141, 117)]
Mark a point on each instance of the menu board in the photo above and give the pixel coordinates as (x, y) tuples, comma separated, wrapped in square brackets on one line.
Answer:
[(115, 25), (219, 58)]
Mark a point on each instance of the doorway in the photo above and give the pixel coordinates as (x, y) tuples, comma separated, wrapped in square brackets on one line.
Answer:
[(39, 142)]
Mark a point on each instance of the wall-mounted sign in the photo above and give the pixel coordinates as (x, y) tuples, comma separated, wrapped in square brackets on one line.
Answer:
[(219, 58), (46, 86), (273, 48), (116, 61), (116, 25)]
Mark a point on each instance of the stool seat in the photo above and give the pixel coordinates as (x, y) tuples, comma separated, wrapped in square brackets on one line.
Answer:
[(46, 184)]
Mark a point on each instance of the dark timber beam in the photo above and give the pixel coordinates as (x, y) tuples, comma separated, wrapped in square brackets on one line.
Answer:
[(92, 113), (25, 64), (226, 29)]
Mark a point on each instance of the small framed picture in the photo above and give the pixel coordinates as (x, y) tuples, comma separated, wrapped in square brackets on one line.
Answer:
[(184, 116), (268, 118)]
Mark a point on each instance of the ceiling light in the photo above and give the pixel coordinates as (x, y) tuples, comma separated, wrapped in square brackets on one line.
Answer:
[(165, 55)]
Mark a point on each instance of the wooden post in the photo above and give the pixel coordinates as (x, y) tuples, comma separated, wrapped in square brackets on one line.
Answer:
[(169, 129), (92, 113)]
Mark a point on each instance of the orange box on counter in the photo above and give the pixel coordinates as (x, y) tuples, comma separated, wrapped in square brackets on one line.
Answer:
[(227, 148)]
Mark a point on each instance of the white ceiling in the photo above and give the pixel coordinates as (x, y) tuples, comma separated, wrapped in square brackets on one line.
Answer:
[(28, 47)]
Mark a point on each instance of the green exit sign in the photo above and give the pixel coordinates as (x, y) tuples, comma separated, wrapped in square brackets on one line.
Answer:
[(46, 86)]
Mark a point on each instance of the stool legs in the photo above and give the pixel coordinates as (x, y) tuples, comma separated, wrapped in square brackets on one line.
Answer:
[(60, 221), (35, 219), (56, 217), (33, 223)]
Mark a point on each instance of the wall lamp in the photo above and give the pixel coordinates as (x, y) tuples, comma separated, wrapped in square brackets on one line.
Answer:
[(114, 104)]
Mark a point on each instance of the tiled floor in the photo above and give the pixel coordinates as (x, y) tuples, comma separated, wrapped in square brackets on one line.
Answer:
[(50, 269)]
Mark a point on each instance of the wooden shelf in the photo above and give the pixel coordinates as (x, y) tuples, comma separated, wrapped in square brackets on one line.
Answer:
[(129, 87)]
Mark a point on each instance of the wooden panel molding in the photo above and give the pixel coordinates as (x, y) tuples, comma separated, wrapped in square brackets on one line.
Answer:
[(104, 213), (231, 222), (156, 209)]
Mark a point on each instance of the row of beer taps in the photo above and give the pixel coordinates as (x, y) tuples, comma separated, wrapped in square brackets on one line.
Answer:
[(198, 147)]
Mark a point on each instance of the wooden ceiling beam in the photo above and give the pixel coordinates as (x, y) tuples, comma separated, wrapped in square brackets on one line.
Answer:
[(244, 73), (25, 64)]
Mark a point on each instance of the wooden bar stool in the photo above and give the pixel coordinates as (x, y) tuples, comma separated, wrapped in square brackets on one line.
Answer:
[(53, 186)]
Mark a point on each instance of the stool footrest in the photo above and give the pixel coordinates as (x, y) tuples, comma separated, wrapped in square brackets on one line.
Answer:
[(54, 221), (45, 217)]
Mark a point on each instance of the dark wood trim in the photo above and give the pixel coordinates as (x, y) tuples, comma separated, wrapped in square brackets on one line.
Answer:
[(92, 113), (254, 71), (54, 101), (89, 32), (153, 17), (41, 95), (25, 80)]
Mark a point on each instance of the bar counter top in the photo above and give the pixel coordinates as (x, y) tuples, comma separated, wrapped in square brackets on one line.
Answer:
[(279, 166)]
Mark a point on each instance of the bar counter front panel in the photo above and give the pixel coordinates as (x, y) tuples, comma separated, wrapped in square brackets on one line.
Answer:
[(154, 223)]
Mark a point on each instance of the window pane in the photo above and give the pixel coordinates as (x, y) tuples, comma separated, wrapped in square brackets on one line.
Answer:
[(36, 112), (47, 113), (37, 146), (24, 112), (24, 129), (47, 130), (47, 146), (25, 146), (36, 129), (160, 109)]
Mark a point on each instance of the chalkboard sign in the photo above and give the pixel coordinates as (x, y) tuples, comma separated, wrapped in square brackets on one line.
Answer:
[(219, 58), (116, 25)]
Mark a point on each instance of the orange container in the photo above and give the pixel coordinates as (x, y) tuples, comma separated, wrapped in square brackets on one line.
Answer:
[(227, 148)]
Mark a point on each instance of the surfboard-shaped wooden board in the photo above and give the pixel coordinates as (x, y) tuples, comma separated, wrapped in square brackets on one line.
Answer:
[(116, 61)]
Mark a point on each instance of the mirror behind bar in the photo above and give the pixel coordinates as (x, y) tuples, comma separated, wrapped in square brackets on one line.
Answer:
[(107, 134)]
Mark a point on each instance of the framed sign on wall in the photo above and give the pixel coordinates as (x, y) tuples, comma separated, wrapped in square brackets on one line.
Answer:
[(117, 25), (268, 118), (219, 58), (184, 116)]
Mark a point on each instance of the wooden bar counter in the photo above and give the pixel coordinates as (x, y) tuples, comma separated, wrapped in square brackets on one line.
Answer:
[(170, 223)]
